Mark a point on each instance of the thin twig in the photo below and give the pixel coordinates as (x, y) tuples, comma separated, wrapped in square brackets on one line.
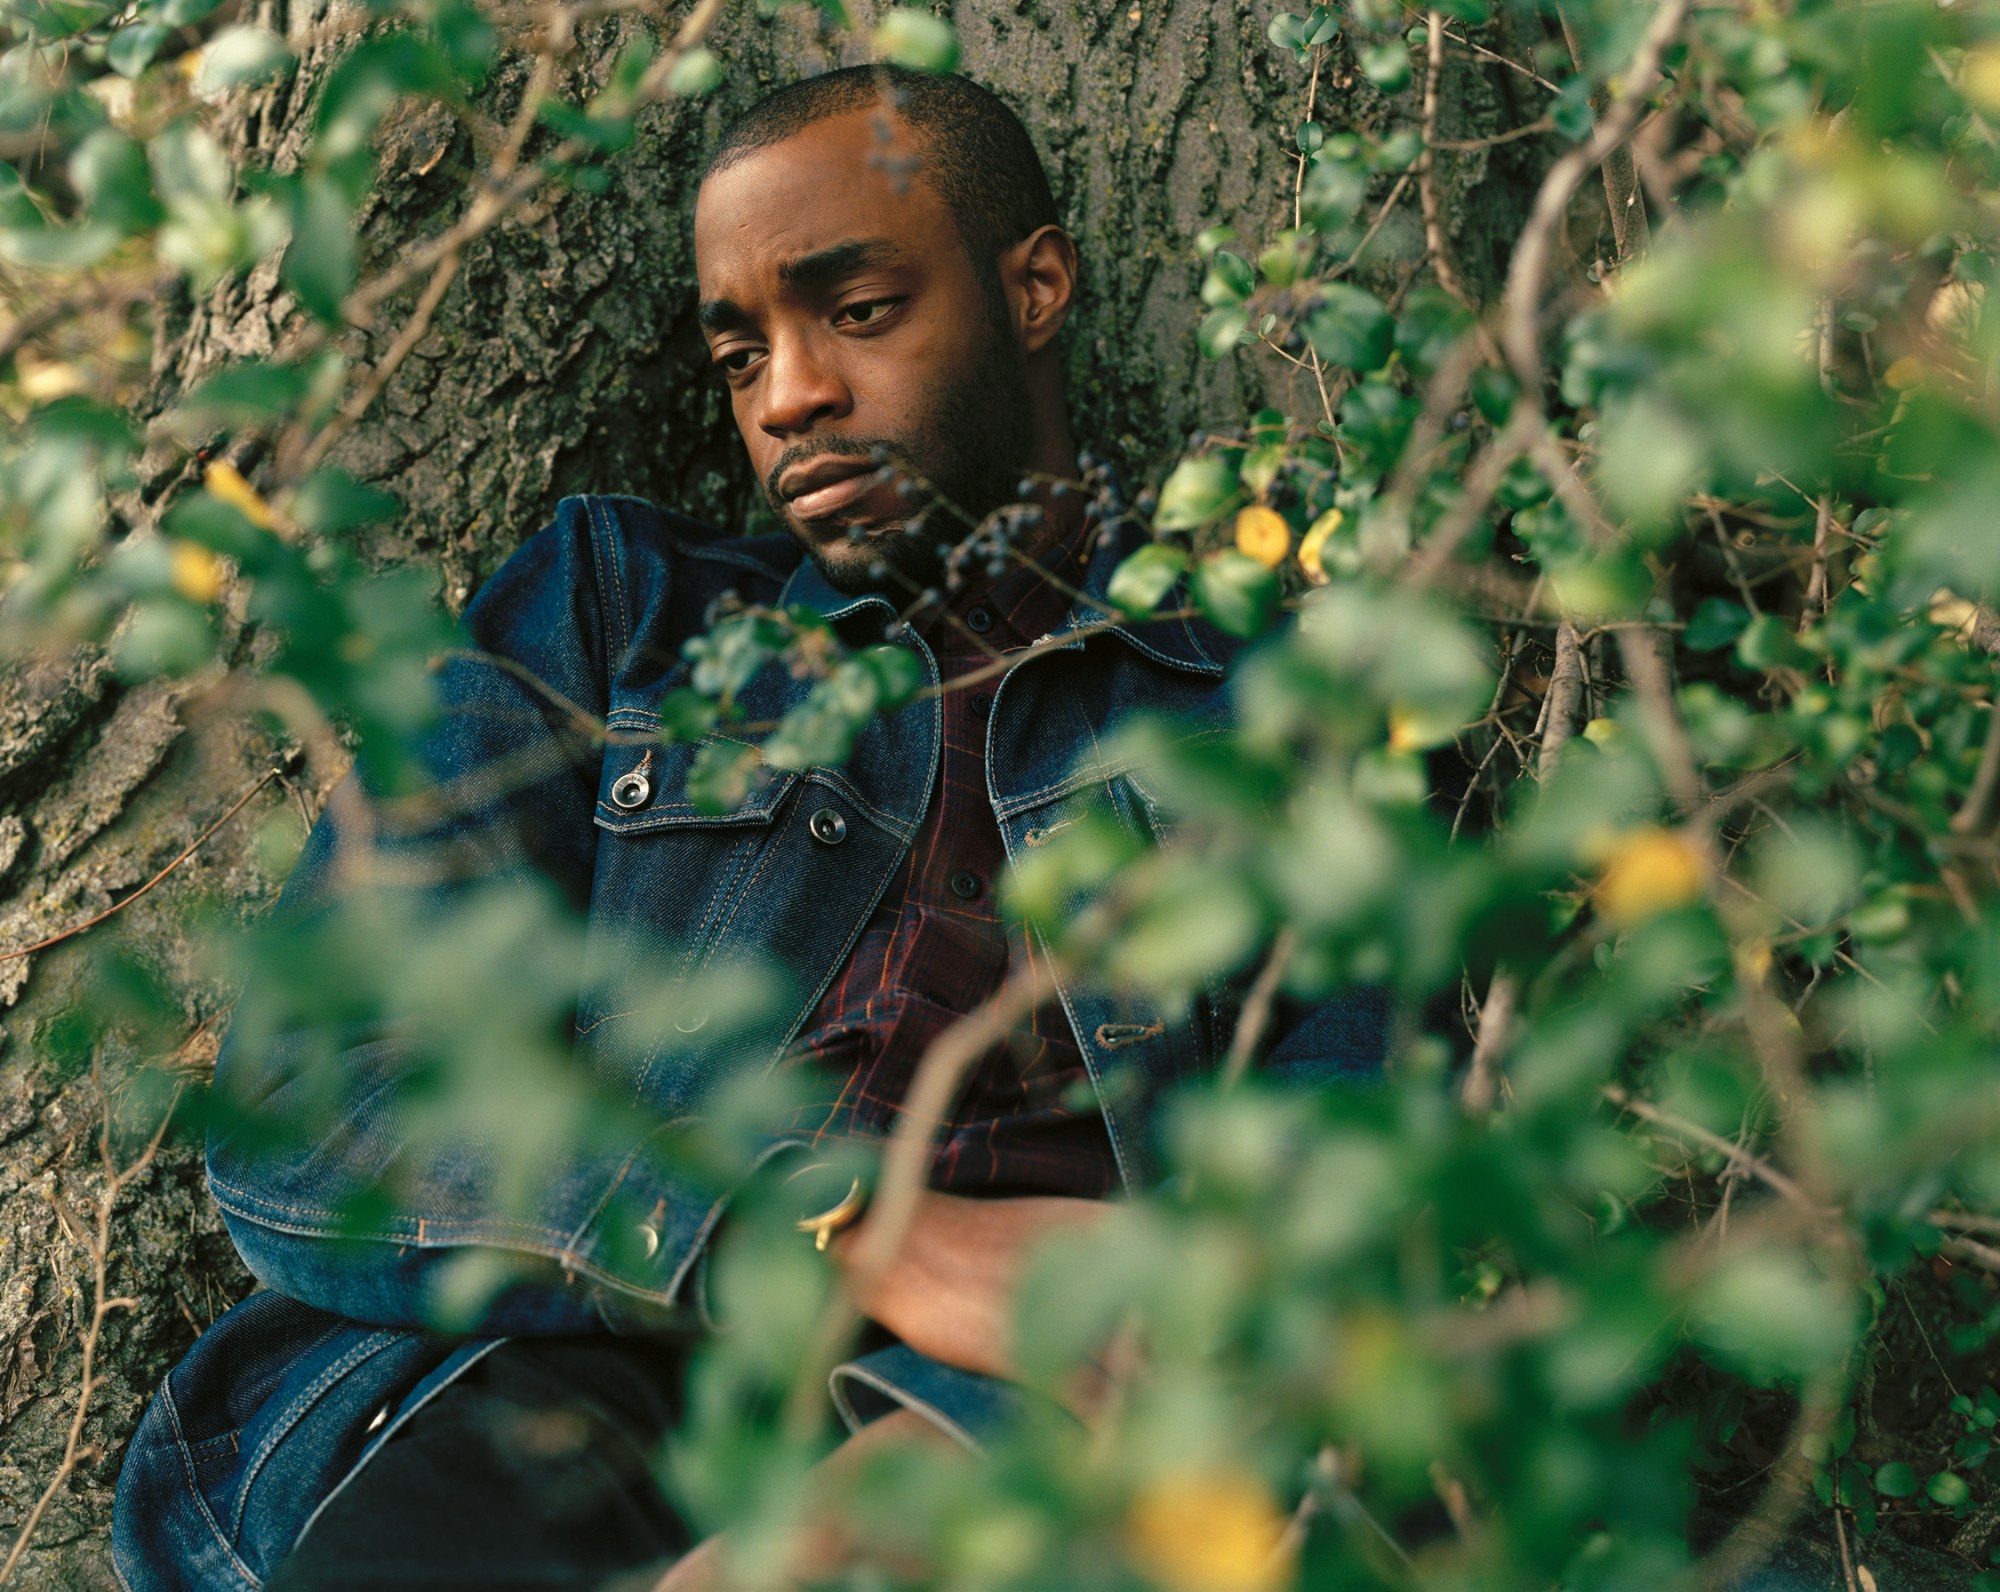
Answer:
[(1496, 1022), (98, 1245), (1256, 1014), (1565, 691), (1427, 166), (1682, 1128), (1522, 299), (193, 846)]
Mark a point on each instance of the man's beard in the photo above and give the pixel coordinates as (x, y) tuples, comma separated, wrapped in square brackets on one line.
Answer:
[(967, 457)]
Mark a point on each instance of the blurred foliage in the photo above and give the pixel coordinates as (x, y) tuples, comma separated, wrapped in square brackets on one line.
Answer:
[(1626, 685)]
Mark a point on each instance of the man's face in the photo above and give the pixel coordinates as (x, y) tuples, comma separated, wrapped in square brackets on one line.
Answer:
[(852, 326)]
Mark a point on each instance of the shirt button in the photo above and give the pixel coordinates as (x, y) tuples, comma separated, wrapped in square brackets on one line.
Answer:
[(978, 621), (965, 884), (827, 827), (981, 703)]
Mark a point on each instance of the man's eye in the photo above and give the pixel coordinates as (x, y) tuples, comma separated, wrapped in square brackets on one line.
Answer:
[(735, 360), (867, 310)]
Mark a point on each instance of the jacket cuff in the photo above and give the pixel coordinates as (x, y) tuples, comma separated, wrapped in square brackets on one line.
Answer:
[(968, 1408)]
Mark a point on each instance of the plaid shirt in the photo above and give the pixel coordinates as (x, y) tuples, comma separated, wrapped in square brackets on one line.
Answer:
[(1026, 1120)]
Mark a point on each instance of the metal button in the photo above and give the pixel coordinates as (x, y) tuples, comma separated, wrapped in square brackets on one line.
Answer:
[(981, 703), (631, 791), (966, 884), (649, 1237), (692, 1025), (827, 827), (978, 620)]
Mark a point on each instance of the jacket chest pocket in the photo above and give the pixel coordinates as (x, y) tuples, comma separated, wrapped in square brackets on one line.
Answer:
[(668, 880)]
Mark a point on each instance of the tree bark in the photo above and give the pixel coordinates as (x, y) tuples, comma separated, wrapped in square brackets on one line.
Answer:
[(563, 359)]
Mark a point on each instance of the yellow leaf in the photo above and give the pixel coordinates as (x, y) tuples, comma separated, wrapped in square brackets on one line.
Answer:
[(195, 572), (45, 379), (1208, 1531), (1412, 729), (1312, 550), (1263, 534), (225, 481), (1904, 373), (1650, 870), (1979, 78)]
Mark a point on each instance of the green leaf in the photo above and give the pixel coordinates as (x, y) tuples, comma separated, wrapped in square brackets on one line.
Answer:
[(1432, 324), (1715, 624), (1209, 239), (1387, 65), (918, 39), (1896, 1480), (109, 170), (1198, 490), (1767, 642), (1237, 593), (1349, 327), (1332, 192), (719, 778), (687, 715), (1286, 31), (182, 13), (360, 91), (1144, 577), (320, 262), (898, 671), (189, 164), (1948, 1489), (1321, 26), (58, 248), (332, 502), (165, 636), (696, 73), (1310, 137), (245, 394), (1230, 279), (133, 47), (1571, 112), (1221, 331), (240, 55)]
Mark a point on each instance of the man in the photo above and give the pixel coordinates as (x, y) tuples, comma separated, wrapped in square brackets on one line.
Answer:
[(882, 285)]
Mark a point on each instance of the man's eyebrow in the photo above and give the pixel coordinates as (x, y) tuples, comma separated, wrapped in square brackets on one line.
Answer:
[(719, 315), (827, 266), (809, 273)]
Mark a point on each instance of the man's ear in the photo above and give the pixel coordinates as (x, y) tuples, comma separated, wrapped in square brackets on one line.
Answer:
[(1039, 273)]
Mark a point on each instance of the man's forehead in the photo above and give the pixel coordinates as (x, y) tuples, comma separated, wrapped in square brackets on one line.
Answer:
[(833, 181)]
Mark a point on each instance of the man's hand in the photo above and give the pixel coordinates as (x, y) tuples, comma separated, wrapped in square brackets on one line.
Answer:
[(949, 1292), (825, 1547)]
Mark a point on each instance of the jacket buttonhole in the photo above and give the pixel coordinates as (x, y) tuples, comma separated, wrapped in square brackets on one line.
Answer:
[(1112, 1035), (1040, 836)]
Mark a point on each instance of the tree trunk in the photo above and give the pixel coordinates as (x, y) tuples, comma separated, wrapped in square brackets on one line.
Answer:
[(563, 359)]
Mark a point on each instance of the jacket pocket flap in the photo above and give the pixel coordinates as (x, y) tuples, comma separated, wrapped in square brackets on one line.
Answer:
[(644, 786)]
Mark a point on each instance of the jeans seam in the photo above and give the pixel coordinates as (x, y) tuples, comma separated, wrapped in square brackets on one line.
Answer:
[(288, 1418), (250, 1578), (394, 1426)]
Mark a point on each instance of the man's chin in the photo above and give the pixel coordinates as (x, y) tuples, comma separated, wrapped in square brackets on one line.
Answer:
[(882, 559)]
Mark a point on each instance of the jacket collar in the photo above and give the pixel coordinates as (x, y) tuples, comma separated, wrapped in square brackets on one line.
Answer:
[(1172, 641)]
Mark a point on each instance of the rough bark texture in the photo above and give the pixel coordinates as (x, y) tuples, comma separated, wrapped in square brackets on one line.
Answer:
[(564, 359)]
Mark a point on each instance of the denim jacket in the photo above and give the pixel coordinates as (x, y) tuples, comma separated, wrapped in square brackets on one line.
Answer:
[(291, 1391)]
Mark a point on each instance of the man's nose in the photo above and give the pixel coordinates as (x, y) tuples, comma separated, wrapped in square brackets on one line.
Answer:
[(801, 388)]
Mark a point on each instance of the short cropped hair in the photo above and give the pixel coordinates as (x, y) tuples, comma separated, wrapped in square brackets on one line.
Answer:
[(978, 157)]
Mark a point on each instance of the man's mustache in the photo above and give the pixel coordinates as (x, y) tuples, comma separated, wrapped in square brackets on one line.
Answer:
[(874, 451)]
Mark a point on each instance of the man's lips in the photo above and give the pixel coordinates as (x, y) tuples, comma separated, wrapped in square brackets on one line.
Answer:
[(828, 487)]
